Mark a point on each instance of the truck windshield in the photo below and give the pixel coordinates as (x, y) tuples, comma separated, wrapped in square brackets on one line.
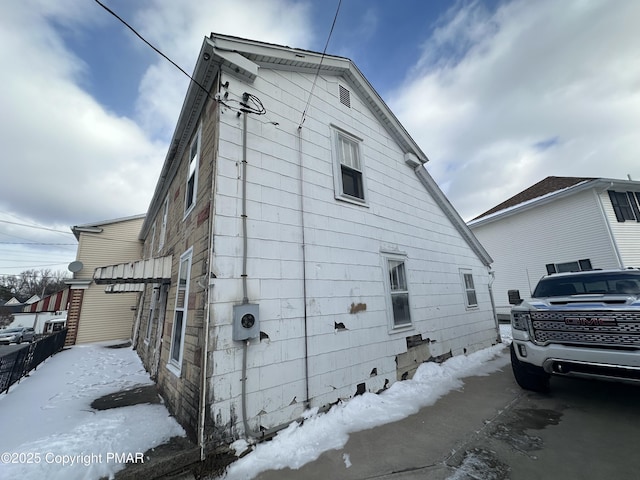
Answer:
[(621, 283)]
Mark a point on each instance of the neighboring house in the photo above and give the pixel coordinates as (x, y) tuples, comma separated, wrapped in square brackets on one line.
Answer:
[(295, 261), (40, 313), (560, 224), (94, 315)]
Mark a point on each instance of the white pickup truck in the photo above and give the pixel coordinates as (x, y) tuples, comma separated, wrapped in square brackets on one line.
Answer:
[(580, 324)]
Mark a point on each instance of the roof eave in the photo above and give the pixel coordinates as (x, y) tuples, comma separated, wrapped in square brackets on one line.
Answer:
[(551, 197), (195, 99)]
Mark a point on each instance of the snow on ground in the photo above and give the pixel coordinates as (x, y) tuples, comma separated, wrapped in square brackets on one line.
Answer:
[(300, 444), (50, 431)]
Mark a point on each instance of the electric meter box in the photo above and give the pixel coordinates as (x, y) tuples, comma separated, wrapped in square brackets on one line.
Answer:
[(246, 321)]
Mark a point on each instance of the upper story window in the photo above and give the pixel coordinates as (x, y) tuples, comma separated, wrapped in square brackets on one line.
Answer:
[(349, 178), (625, 205), (153, 240), (192, 175), (163, 225), (471, 299)]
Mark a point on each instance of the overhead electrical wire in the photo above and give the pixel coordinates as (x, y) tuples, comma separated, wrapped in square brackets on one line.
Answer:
[(39, 227), (315, 79), (257, 109), (152, 46)]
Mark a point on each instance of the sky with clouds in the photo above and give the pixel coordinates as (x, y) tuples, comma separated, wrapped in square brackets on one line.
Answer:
[(498, 94)]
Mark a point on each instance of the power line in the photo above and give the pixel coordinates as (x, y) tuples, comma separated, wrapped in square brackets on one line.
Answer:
[(35, 226), (153, 47), (35, 243), (32, 266), (324, 52)]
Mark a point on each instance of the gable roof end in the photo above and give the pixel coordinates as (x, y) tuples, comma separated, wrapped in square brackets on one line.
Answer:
[(243, 59), (548, 190)]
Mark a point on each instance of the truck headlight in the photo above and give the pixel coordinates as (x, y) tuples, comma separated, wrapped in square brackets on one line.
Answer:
[(520, 320)]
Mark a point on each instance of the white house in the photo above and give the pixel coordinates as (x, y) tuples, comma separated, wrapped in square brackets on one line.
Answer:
[(296, 251), (560, 224)]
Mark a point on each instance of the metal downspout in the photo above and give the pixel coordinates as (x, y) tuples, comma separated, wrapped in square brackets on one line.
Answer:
[(304, 272), (245, 296), (492, 274)]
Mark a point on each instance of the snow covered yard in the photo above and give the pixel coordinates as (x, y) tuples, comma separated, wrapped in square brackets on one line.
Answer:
[(300, 444), (49, 429)]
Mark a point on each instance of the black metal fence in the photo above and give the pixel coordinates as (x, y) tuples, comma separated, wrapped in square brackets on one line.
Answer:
[(19, 362)]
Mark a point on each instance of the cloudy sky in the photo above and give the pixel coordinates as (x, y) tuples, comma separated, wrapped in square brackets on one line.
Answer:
[(499, 94)]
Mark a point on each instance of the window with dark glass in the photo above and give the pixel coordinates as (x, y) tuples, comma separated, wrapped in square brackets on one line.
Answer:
[(399, 293), (192, 175), (625, 205), (350, 166)]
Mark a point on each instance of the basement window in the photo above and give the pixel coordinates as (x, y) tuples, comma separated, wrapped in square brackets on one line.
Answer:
[(349, 178)]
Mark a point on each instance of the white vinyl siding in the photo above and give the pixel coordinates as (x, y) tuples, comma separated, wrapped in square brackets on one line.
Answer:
[(348, 292), (565, 230)]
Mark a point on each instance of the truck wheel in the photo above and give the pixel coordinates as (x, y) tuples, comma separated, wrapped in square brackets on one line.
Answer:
[(529, 376)]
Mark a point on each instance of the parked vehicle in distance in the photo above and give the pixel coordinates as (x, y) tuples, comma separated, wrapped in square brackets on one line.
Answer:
[(577, 324), (16, 335)]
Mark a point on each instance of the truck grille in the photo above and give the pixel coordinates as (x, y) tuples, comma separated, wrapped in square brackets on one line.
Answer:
[(606, 329)]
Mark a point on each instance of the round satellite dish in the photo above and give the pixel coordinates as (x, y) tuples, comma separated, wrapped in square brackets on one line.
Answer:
[(75, 266)]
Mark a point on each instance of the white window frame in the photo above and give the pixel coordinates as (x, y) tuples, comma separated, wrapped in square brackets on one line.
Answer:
[(152, 307), (192, 172), (391, 290), (464, 274), (338, 136), (181, 312), (153, 239), (163, 225)]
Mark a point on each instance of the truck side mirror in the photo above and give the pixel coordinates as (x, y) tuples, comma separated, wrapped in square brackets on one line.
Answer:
[(514, 297)]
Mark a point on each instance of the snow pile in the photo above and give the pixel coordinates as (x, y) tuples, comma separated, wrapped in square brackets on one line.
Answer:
[(300, 444), (50, 431)]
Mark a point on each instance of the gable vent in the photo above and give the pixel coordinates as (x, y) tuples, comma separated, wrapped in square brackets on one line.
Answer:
[(345, 96)]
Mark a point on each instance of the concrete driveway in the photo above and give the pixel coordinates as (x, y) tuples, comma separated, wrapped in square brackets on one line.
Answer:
[(491, 429)]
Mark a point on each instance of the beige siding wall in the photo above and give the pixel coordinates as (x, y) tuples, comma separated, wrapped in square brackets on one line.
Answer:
[(107, 316)]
